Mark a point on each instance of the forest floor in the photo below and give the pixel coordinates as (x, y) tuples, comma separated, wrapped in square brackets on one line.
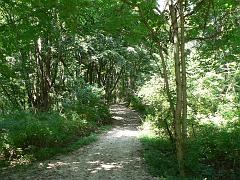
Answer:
[(116, 155)]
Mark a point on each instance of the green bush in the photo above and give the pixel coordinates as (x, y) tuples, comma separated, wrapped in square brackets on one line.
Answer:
[(215, 152), (136, 103), (39, 135), (89, 105)]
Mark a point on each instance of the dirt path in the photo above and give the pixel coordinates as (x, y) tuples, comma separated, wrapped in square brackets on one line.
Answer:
[(116, 155)]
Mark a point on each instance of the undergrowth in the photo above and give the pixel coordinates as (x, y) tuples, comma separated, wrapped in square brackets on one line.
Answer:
[(212, 148), (28, 136), (213, 154)]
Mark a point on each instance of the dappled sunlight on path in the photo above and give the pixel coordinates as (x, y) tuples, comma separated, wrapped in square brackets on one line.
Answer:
[(115, 156)]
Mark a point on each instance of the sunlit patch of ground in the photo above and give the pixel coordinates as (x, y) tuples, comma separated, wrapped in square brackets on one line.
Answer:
[(147, 129), (126, 133)]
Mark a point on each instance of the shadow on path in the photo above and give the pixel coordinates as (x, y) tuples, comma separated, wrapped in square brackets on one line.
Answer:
[(116, 155)]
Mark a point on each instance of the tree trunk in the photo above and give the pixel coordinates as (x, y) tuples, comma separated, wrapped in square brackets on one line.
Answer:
[(166, 82), (184, 73), (179, 93)]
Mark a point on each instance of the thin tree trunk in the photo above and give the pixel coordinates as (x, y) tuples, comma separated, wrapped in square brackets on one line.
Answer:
[(166, 81), (119, 75), (184, 74), (178, 111)]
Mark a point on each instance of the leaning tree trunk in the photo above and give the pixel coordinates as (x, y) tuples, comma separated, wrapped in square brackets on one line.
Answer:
[(166, 82)]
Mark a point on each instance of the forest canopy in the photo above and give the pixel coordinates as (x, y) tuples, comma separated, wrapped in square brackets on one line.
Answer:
[(63, 62)]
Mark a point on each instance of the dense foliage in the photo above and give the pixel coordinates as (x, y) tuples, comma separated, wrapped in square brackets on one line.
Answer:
[(57, 74), (27, 136), (63, 61)]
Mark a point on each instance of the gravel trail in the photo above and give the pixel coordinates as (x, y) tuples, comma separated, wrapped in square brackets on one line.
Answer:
[(116, 155)]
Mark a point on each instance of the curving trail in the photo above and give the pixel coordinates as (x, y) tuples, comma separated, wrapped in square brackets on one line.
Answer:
[(116, 155)]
